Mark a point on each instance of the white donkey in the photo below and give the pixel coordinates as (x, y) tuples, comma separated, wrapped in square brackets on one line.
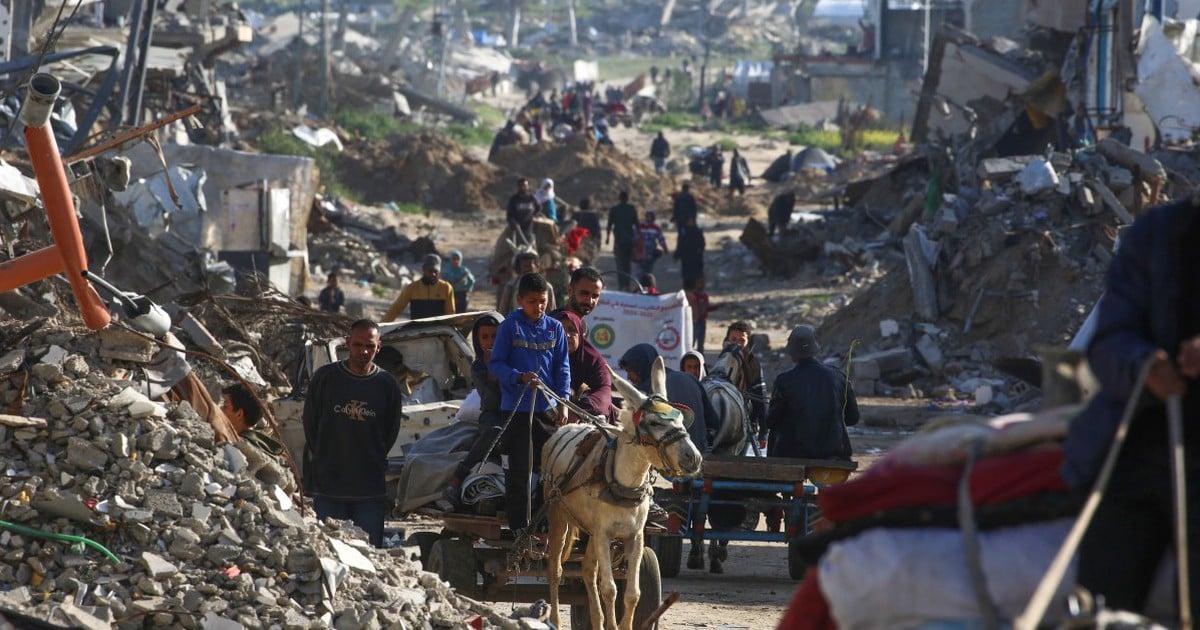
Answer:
[(597, 481)]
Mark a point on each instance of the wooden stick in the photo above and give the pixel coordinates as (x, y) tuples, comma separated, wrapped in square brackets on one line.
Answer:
[(658, 612)]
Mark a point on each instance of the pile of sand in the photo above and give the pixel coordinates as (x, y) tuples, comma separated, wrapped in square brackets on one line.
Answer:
[(581, 168), (425, 168)]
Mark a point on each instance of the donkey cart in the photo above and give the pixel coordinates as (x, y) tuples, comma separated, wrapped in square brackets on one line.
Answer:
[(479, 558), (755, 484)]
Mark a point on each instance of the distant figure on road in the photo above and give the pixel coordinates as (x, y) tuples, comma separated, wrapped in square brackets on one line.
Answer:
[(660, 150), (739, 173), (461, 280), (623, 222), (331, 297), (683, 210)]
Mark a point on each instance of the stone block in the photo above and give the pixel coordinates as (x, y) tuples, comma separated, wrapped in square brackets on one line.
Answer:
[(890, 361), (930, 352), (865, 369), (157, 566)]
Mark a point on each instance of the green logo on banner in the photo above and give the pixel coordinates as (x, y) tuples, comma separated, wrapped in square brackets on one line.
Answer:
[(603, 336)]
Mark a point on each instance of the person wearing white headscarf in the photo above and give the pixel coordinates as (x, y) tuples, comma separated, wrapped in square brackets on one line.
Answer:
[(545, 197)]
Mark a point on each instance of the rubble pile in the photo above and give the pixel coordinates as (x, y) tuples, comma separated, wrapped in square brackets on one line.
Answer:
[(580, 168), (196, 539), (989, 274), (426, 168)]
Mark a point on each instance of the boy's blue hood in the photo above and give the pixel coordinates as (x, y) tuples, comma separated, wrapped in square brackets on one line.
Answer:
[(639, 359)]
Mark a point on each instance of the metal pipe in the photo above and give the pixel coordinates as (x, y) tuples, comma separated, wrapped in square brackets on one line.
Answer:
[(39, 100), (56, 197)]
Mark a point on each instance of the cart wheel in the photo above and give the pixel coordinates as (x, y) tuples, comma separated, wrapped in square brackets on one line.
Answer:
[(669, 550), (424, 541), (650, 582), (797, 567), (580, 620), (453, 560)]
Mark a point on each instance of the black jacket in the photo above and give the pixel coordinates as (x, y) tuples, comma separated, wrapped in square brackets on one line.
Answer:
[(660, 148), (811, 405)]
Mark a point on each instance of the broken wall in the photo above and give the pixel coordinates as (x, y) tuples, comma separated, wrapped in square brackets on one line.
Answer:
[(964, 74), (886, 85), (227, 169)]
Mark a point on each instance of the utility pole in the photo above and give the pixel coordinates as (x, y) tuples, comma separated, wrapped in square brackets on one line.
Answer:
[(708, 22), (297, 89), (928, 40), (571, 20), (323, 100), (514, 41)]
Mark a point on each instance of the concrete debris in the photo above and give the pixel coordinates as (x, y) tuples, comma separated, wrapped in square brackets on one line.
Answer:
[(199, 541)]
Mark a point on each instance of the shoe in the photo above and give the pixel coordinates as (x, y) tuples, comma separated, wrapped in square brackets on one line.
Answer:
[(658, 515), (695, 559)]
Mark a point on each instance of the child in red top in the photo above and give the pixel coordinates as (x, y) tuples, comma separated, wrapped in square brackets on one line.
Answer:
[(694, 290), (652, 241)]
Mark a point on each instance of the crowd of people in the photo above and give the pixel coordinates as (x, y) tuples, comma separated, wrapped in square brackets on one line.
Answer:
[(353, 406)]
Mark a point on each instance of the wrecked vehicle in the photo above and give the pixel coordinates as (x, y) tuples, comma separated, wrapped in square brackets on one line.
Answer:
[(430, 357)]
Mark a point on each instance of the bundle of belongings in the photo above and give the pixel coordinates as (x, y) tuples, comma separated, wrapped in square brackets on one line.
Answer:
[(431, 463), (953, 528)]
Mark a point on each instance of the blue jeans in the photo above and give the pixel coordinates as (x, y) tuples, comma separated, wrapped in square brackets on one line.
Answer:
[(367, 514), (660, 164)]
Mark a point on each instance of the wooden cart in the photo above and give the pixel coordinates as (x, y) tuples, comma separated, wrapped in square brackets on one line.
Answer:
[(474, 554), (761, 484)]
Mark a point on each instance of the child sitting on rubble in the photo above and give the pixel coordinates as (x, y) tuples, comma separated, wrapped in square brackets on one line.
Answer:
[(264, 454), (530, 348), (483, 338)]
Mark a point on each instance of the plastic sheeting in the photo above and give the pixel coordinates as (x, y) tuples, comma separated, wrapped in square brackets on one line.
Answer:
[(905, 578)]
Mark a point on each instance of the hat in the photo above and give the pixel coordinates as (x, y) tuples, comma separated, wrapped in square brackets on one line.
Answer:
[(431, 261), (802, 342)]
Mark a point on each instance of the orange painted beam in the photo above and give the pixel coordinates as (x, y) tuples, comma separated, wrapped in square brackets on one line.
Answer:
[(60, 209)]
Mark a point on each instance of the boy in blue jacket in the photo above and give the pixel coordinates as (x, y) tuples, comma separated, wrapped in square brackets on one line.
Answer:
[(530, 348)]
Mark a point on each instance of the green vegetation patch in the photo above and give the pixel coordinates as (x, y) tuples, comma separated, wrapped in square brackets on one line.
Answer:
[(278, 141)]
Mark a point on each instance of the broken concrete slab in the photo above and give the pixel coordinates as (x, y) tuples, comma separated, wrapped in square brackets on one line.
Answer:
[(892, 361), (157, 566), (123, 345), (930, 352)]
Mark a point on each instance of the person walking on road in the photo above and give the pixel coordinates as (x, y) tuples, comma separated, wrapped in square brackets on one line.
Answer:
[(351, 419), (683, 207), (660, 150), (623, 223), (653, 244), (739, 174)]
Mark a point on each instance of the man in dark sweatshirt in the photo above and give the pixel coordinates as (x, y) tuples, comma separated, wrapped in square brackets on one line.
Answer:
[(351, 419)]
